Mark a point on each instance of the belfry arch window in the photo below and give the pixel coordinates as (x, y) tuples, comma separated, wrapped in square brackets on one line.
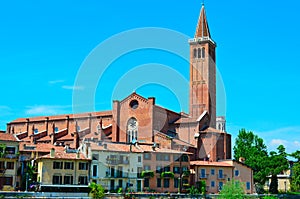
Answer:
[(199, 53), (195, 53), (203, 53), (132, 130)]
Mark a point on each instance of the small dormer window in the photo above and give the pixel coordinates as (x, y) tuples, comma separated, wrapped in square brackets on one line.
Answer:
[(56, 129), (36, 131)]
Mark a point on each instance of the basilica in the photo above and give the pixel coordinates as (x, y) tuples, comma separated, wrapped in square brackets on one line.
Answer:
[(134, 143)]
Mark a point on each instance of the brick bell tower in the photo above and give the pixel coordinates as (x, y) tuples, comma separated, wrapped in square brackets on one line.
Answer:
[(203, 71)]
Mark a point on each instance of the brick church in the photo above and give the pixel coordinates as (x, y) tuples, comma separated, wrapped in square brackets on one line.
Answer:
[(139, 119)]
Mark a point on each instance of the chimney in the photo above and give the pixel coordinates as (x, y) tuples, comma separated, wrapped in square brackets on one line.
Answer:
[(76, 140), (52, 153), (47, 126), (27, 126), (68, 120), (77, 155), (53, 134), (32, 139)]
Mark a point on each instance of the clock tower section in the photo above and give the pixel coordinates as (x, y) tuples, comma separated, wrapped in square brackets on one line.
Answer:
[(203, 72)]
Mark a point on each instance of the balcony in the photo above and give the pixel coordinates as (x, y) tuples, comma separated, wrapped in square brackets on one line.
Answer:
[(222, 177), (116, 161), (11, 156), (204, 176)]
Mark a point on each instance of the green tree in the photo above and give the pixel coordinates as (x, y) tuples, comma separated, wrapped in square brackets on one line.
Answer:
[(252, 148), (232, 190), (278, 163), (96, 190), (295, 172)]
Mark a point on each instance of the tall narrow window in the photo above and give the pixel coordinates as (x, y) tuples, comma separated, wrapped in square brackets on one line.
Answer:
[(203, 53), (195, 53), (95, 170), (132, 130), (199, 52)]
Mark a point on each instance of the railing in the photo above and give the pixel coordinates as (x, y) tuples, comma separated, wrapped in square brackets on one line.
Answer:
[(222, 177), (200, 39), (115, 161), (205, 176)]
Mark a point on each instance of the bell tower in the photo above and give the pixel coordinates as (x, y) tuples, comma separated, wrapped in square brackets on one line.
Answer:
[(203, 71)]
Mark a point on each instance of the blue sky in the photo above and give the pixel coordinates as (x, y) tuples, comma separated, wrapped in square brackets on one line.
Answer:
[(44, 43)]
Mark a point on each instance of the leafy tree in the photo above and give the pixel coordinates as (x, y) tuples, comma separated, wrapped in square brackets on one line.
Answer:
[(201, 185), (96, 190), (277, 164), (295, 172), (254, 151), (193, 190), (232, 190)]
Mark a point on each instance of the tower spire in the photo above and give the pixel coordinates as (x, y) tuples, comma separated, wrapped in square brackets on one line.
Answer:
[(202, 26)]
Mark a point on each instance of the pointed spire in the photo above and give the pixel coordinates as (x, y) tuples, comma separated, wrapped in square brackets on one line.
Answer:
[(202, 27)]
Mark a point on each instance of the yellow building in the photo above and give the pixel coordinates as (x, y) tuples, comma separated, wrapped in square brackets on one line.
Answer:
[(64, 170), (9, 147), (216, 174), (284, 181)]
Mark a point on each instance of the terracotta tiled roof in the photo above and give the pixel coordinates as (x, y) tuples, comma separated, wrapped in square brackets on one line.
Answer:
[(211, 130), (117, 147), (39, 147), (149, 148), (208, 163), (71, 116), (66, 137), (61, 154), (122, 147), (8, 137)]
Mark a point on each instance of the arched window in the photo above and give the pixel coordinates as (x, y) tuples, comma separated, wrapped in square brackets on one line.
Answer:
[(195, 53), (199, 53), (203, 53), (132, 130)]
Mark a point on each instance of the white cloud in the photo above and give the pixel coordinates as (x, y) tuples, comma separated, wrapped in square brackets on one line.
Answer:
[(277, 142), (56, 81), (73, 87), (296, 143), (45, 110)]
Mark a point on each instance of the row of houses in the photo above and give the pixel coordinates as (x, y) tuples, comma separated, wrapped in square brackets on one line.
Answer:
[(131, 166)]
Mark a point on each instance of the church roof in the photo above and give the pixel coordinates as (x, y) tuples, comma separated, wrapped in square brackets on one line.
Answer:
[(62, 117), (202, 26), (211, 130)]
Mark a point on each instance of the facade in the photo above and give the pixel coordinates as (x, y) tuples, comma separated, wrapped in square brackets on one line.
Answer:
[(216, 174), (115, 165), (284, 181), (63, 170), (120, 165), (136, 118), (9, 150)]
